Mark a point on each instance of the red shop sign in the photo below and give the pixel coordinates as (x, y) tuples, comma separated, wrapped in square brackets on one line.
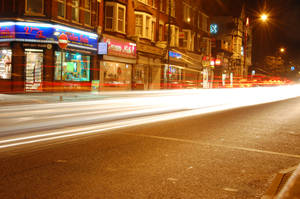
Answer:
[(120, 48)]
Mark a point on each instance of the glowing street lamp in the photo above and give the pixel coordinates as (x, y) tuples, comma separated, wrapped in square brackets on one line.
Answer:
[(264, 17), (282, 50)]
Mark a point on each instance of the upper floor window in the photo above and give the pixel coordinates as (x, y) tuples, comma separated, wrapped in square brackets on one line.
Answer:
[(61, 8), (186, 13), (115, 17), (87, 12), (75, 10), (172, 7), (144, 26), (161, 5), (144, 1), (204, 23), (174, 40), (34, 7)]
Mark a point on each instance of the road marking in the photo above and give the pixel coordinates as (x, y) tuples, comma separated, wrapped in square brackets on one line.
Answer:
[(215, 145)]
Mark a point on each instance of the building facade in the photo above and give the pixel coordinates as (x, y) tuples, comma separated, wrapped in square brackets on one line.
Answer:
[(103, 45)]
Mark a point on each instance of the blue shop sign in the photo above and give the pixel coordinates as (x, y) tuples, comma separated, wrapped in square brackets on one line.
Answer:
[(46, 33), (175, 55)]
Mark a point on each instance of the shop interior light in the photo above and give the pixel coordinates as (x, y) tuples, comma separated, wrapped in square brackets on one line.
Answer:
[(7, 23), (64, 28), (34, 24)]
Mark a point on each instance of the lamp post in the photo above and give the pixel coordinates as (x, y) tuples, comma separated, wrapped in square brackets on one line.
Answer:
[(245, 45), (168, 44)]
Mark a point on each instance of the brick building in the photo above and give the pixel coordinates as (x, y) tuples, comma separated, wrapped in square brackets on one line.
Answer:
[(30, 58), (112, 45)]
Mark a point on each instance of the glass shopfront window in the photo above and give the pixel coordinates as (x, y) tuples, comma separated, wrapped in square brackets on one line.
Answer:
[(5, 63), (71, 66), (117, 74)]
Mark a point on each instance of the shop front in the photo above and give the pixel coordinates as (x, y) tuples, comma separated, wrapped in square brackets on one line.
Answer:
[(119, 56), (182, 72), (147, 71), (32, 61)]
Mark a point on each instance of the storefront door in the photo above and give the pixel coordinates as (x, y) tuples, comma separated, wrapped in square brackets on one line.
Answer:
[(33, 70)]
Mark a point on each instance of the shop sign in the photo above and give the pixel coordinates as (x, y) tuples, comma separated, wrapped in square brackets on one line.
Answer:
[(7, 30), (102, 48), (47, 33), (63, 41), (175, 55), (120, 48)]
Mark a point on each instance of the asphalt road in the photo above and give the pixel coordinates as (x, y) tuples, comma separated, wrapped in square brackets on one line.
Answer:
[(227, 154)]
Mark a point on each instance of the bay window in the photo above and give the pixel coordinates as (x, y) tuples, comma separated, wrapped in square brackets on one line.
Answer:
[(144, 26), (115, 17)]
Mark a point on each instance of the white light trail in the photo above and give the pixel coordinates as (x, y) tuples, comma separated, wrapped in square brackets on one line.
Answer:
[(138, 110)]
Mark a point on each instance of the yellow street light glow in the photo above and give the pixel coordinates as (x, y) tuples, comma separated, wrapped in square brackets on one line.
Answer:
[(264, 17), (282, 50)]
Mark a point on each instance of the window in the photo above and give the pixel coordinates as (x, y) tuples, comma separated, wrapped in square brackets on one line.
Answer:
[(139, 25), (121, 19), (172, 7), (5, 63), (199, 20), (35, 7), (115, 17), (61, 8), (144, 26), (161, 5), (153, 31), (144, 1), (174, 42), (117, 74), (72, 67), (109, 16), (204, 23), (75, 10), (186, 13), (87, 13), (187, 41), (160, 33)]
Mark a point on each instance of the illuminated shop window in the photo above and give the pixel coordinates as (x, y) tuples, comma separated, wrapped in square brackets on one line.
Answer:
[(72, 66), (5, 63), (117, 74), (34, 7)]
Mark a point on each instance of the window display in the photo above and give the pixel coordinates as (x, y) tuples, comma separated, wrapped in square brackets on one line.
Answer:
[(34, 69), (5, 63), (72, 66), (117, 74)]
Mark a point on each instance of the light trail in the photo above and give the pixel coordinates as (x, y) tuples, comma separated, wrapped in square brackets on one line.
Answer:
[(132, 111)]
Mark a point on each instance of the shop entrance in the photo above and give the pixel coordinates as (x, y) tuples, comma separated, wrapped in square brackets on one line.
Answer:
[(33, 70)]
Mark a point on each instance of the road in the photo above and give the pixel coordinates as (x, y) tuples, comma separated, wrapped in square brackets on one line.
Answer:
[(226, 153)]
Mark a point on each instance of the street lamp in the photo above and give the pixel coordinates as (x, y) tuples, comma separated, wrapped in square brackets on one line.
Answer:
[(282, 50), (264, 17)]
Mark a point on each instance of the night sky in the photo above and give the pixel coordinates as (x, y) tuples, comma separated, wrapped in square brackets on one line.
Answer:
[(282, 30)]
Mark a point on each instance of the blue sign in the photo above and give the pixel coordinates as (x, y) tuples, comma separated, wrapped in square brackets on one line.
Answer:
[(175, 55), (47, 33), (214, 28), (102, 48), (292, 68)]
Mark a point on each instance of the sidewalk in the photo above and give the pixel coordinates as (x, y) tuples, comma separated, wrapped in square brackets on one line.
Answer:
[(40, 98)]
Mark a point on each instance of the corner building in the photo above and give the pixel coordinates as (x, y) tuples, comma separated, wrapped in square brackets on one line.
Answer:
[(30, 57)]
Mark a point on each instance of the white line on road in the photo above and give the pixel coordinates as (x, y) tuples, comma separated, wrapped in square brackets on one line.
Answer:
[(214, 145)]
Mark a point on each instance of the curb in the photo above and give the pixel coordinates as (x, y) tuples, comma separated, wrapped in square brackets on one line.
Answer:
[(278, 183)]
